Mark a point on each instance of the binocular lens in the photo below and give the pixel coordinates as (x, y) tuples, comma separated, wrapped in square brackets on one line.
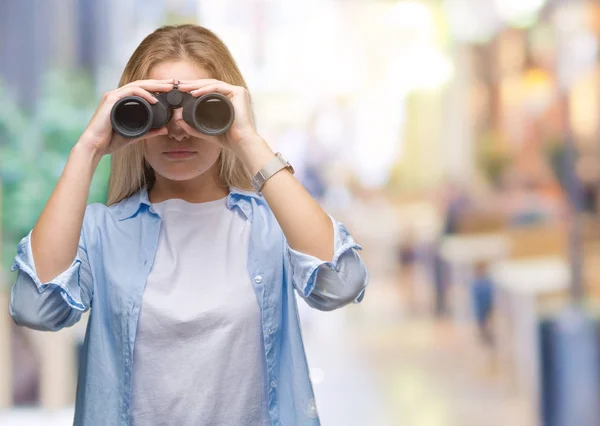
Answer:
[(213, 114), (131, 116)]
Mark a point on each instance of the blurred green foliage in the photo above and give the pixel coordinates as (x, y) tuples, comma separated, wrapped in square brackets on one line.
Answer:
[(493, 156), (34, 147)]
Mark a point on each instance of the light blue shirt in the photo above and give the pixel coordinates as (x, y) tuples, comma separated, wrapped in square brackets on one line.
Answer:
[(116, 251)]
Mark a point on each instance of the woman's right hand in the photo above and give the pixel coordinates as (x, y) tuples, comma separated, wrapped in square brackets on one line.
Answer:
[(99, 135)]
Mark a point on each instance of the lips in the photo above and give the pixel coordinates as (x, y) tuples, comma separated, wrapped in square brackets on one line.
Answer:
[(179, 151), (179, 154)]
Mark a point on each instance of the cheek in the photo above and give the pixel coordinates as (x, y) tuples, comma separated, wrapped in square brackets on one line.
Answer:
[(208, 151), (153, 147), (208, 154)]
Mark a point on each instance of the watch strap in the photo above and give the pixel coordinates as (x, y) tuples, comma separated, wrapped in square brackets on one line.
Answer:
[(272, 167)]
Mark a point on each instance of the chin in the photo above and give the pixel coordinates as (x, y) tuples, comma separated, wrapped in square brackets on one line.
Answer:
[(183, 172), (180, 175)]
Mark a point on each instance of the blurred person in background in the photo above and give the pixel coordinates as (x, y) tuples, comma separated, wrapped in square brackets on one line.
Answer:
[(482, 293), (588, 173), (189, 271), (407, 257), (455, 203)]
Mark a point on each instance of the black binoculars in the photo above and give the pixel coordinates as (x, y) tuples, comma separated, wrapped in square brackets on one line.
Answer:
[(133, 116)]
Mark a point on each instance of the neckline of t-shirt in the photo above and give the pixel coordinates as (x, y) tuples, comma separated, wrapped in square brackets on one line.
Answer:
[(181, 205)]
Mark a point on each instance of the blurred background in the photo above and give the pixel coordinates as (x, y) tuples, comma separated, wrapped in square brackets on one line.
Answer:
[(459, 142)]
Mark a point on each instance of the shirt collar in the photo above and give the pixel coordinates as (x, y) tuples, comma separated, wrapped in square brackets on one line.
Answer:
[(131, 205)]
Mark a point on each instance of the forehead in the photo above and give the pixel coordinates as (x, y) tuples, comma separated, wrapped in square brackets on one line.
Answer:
[(180, 70)]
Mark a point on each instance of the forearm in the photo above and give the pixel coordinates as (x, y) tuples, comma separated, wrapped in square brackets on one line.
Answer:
[(304, 223), (55, 237)]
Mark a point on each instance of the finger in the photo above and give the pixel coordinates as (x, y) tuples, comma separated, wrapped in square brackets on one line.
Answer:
[(138, 91), (189, 85), (152, 86), (222, 88), (150, 80), (199, 81)]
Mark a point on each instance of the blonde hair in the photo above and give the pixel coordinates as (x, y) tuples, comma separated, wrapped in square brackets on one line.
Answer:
[(129, 171)]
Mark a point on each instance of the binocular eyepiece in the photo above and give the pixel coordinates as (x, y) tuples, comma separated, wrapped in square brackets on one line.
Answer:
[(133, 116)]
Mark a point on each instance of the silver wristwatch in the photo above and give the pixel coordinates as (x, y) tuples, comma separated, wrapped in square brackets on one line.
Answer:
[(276, 164)]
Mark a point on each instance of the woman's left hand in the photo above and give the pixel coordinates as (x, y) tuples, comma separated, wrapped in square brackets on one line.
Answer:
[(242, 128)]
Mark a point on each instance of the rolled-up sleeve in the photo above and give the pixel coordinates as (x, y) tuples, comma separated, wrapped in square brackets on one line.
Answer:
[(57, 303), (330, 285)]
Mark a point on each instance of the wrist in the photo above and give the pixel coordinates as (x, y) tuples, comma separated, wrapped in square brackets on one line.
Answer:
[(87, 151), (254, 153)]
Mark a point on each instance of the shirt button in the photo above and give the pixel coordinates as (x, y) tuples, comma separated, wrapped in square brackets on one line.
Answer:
[(311, 409), (245, 206), (152, 210), (258, 279), (274, 384), (270, 330)]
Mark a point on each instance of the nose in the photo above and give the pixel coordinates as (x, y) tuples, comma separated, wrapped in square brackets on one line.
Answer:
[(175, 130)]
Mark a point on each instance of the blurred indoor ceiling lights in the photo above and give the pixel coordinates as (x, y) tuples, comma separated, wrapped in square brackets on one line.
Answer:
[(420, 67), (409, 14), (327, 58), (479, 20), (471, 20), (516, 11), (408, 34), (415, 60), (537, 91)]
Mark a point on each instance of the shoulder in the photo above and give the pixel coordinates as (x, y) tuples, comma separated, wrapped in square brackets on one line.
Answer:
[(100, 215), (96, 212), (95, 209), (244, 199), (106, 223), (262, 209)]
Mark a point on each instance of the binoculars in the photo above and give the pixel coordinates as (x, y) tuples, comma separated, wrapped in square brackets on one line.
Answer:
[(133, 116)]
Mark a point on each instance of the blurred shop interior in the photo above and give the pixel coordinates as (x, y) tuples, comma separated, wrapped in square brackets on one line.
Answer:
[(458, 140)]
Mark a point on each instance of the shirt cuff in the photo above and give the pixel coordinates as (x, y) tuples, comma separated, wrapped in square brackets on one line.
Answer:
[(67, 281), (305, 266)]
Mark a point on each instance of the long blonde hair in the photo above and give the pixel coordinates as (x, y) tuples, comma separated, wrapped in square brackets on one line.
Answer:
[(129, 171)]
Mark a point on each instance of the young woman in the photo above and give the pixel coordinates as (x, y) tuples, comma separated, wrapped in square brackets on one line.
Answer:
[(189, 271)]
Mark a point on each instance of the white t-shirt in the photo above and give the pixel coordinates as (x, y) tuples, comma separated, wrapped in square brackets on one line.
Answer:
[(198, 355)]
